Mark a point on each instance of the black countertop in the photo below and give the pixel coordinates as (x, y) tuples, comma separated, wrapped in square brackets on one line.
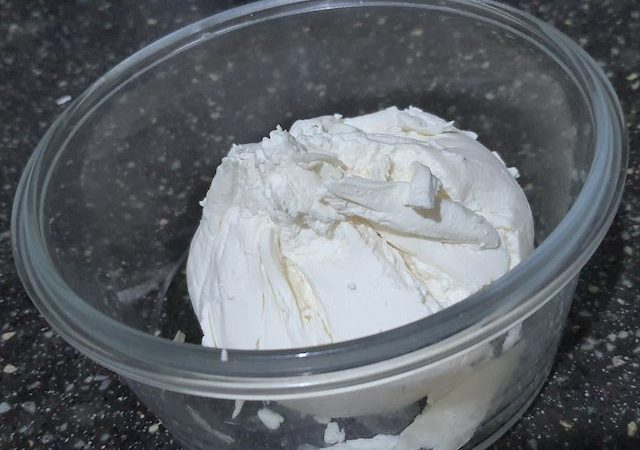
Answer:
[(52, 397)]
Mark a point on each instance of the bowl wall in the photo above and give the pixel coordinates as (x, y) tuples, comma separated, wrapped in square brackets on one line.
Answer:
[(121, 205)]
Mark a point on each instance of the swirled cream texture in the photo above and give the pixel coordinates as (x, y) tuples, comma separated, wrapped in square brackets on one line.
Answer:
[(344, 227)]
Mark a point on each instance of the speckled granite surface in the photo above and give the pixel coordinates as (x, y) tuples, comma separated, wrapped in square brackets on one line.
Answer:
[(51, 397)]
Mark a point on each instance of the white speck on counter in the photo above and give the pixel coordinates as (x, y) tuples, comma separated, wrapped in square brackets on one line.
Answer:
[(104, 385), (29, 407), (270, 419), (153, 428), (4, 407), (610, 347), (8, 335), (589, 344), (62, 100), (9, 368), (224, 355), (623, 334), (566, 425), (237, 409), (632, 429), (617, 361), (333, 434)]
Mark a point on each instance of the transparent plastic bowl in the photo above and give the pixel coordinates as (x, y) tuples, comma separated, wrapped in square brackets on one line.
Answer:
[(108, 203)]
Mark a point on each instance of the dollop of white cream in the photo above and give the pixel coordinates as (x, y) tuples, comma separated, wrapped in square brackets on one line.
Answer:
[(345, 227), (333, 434), (270, 419)]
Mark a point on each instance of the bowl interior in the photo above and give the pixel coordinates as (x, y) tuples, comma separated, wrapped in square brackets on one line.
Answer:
[(121, 199)]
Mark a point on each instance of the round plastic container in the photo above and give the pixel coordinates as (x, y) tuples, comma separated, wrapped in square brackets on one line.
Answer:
[(108, 204)]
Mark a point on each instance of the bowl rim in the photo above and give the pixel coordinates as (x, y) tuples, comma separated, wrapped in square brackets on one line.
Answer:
[(194, 369)]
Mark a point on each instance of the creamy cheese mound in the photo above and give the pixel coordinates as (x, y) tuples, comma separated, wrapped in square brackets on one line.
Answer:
[(344, 227)]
